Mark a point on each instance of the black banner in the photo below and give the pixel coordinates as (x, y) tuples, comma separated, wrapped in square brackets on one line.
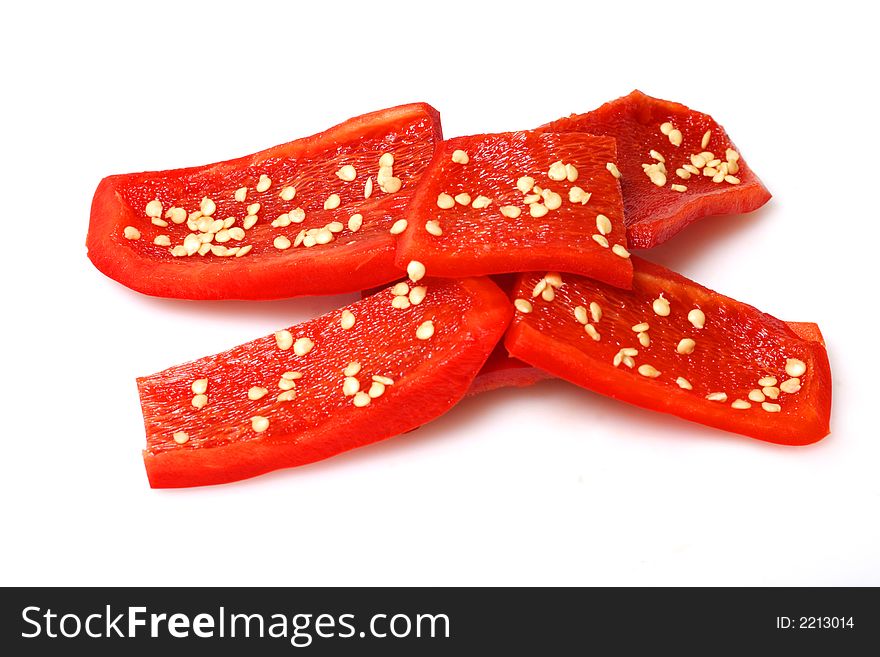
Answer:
[(419, 621)]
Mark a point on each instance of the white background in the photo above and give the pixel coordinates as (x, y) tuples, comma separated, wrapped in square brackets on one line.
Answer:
[(551, 485)]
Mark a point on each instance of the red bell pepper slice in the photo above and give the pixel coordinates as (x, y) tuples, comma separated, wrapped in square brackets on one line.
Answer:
[(662, 196), (308, 217), (295, 397), (519, 201), (676, 347)]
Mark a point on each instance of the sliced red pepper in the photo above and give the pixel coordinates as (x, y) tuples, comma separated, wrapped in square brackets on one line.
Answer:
[(504, 371), (296, 397), (518, 202), (657, 142), (676, 347), (308, 217)]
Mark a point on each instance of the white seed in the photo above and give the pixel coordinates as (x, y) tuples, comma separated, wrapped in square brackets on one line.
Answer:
[(162, 240), (767, 381), (303, 346), (332, 202), (199, 386), (400, 303), (684, 383), (284, 340), (207, 206), (243, 251), (538, 210), (179, 251), (159, 222), (180, 437), (795, 367), (596, 312), (644, 339), (460, 157), (398, 227), (463, 199), (528, 199), (259, 423), (346, 173), (510, 211), (415, 270), (540, 286), (376, 390), (400, 289), (287, 193), (661, 306), (350, 386), (425, 330), (640, 327), (697, 318), (592, 332), (264, 183), (648, 371), (523, 305), (131, 233), (525, 184), (390, 185), (154, 208), (603, 224), (286, 384), (756, 395), (705, 141), (347, 320), (740, 404), (249, 221), (433, 227), (241, 194), (386, 160), (613, 169), (445, 201), (177, 215), (657, 156), (287, 395), (355, 222), (253, 208), (556, 171), (717, 396), (790, 386), (361, 399), (771, 391), (580, 314), (675, 137), (552, 200), (666, 128), (733, 180), (352, 369), (368, 188), (191, 243), (571, 172), (200, 401), (620, 250), (771, 408), (686, 346), (678, 188), (578, 195), (256, 392), (281, 243), (548, 294), (236, 233), (417, 294), (481, 202), (682, 173), (601, 240)]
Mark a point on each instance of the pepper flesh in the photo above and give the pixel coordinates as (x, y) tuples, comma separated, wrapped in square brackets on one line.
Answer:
[(482, 240), (429, 376), (736, 348), (352, 260), (654, 214)]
